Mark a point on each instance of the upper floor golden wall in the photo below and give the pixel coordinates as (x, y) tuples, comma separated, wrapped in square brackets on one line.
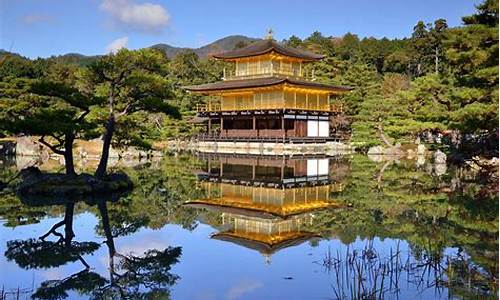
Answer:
[(267, 65), (270, 99)]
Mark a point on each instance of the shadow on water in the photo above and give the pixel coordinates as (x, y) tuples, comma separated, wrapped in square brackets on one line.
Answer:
[(130, 276)]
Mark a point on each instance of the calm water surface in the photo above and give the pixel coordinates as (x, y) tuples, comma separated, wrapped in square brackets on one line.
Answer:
[(225, 227)]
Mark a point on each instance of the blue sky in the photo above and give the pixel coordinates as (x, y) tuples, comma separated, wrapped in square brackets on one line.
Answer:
[(50, 27)]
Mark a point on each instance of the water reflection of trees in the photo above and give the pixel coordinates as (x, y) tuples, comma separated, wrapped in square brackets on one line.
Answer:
[(432, 213), (368, 274), (401, 201), (130, 276)]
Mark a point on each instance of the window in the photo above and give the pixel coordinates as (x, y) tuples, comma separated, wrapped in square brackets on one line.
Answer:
[(289, 99), (286, 68), (242, 68), (323, 102), (301, 101), (238, 124), (296, 69), (312, 101), (289, 124), (276, 66), (265, 67), (269, 124), (253, 67)]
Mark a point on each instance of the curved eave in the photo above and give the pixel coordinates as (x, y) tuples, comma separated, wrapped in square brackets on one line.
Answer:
[(263, 47), (258, 212), (261, 246), (248, 212), (268, 51), (248, 84)]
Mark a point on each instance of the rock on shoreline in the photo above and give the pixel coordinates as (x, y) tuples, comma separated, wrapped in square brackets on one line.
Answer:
[(34, 182)]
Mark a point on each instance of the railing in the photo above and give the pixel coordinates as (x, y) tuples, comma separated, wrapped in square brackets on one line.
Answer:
[(216, 107), (284, 139), (251, 73), (210, 107)]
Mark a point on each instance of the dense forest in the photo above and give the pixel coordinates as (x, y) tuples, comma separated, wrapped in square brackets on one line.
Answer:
[(441, 81)]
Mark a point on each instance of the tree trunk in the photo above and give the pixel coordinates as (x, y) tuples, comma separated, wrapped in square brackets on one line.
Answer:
[(103, 210), (68, 154), (108, 135), (383, 137), (436, 60), (68, 224)]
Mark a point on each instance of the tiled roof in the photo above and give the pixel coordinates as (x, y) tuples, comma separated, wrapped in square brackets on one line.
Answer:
[(266, 46), (262, 82)]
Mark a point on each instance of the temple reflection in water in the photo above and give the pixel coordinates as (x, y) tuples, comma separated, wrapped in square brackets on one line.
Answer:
[(268, 203)]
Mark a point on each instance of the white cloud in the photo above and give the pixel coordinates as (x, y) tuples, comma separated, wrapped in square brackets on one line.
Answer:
[(117, 44), (146, 17), (243, 288)]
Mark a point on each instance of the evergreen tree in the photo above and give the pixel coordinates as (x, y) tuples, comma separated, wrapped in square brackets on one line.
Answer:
[(133, 82), (50, 107)]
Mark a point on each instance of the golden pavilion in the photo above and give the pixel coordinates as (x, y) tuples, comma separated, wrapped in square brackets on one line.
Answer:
[(269, 93), (266, 203)]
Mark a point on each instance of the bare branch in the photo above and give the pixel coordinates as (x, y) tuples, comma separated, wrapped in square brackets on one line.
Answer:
[(52, 230), (383, 137), (59, 139), (83, 115), (51, 147), (125, 111)]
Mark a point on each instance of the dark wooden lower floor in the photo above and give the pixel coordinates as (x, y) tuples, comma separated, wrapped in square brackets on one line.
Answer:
[(269, 139), (282, 126)]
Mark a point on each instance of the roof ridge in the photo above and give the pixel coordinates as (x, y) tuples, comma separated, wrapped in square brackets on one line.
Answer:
[(261, 47)]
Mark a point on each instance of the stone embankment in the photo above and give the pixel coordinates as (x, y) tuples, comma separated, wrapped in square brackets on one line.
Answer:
[(29, 146), (259, 148), (409, 151), (27, 151)]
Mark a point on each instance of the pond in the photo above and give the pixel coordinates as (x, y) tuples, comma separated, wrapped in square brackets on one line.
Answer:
[(242, 227)]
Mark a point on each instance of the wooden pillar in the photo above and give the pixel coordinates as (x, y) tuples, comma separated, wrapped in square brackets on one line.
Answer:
[(209, 126), (254, 126), (283, 132), (221, 125)]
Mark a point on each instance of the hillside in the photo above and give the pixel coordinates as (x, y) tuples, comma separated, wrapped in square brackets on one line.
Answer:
[(224, 44)]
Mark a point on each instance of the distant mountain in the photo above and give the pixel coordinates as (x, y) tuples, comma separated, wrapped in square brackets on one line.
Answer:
[(4, 52), (224, 44), (75, 58)]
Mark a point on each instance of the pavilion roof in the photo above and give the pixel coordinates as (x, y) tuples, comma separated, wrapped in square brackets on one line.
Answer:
[(264, 211), (263, 243), (265, 46), (263, 82)]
